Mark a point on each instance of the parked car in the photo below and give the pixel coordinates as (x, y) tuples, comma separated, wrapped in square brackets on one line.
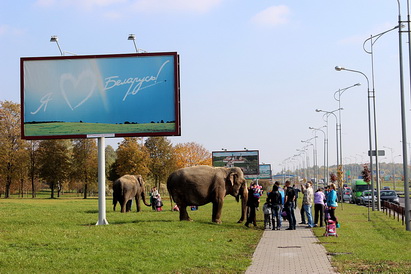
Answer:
[(347, 197), (386, 188), (366, 198), (389, 196)]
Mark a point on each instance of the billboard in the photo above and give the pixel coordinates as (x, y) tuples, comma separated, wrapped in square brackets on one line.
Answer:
[(264, 172), (247, 160), (121, 95)]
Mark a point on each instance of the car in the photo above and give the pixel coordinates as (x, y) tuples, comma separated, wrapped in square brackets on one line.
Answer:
[(347, 195), (386, 188), (366, 198), (389, 196)]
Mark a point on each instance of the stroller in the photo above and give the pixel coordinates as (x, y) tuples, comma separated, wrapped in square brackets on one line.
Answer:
[(330, 225)]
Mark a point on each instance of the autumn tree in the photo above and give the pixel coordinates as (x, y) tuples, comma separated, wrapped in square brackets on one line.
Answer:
[(111, 157), (13, 150), (84, 163), (191, 154), (132, 158), (33, 165), (162, 158), (54, 159)]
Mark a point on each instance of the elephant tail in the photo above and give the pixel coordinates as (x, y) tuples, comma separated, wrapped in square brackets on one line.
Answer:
[(114, 202)]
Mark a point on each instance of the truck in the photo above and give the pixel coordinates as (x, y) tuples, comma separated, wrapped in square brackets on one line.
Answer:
[(358, 186)]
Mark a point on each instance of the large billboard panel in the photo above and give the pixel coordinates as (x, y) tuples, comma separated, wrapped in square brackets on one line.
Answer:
[(247, 160), (119, 95)]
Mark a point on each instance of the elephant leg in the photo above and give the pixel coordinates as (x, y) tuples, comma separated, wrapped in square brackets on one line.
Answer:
[(183, 213), (138, 204), (128, 205), (217, 207), (123, 205)]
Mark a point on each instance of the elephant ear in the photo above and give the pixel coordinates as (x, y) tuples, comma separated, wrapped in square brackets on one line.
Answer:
[(232, 178), (140, 180)]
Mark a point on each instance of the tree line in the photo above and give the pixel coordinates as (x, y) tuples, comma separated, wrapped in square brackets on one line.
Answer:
[(66, 165)]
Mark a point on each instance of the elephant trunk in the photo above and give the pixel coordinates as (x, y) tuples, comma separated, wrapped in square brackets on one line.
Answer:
[(144, 199)]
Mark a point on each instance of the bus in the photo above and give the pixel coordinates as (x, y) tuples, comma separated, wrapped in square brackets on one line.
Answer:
[(358, 186)]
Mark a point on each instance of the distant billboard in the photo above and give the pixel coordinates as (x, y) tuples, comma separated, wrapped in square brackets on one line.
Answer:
[(264, 173), (247, 160), (121, 95)]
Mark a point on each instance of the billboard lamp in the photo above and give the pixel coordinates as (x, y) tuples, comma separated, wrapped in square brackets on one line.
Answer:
[(133, 38), (54, 38)]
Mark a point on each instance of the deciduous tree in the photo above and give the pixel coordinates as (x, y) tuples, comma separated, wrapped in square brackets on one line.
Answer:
[(132, 158), (162, 158), (191, 154), (13, 150), (54, 159), (84, 163)]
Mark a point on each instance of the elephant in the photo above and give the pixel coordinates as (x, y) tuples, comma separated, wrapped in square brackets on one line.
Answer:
[(200, 185), (125, 189)]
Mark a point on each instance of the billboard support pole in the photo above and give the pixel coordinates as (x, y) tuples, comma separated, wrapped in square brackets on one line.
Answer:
[(101, 182)]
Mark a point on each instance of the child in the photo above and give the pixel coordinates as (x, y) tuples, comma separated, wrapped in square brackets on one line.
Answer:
[(267, 215), (159, 203)]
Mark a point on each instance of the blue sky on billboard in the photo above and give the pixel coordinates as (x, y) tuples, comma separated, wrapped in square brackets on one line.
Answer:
[(252, 72), (100, 90)]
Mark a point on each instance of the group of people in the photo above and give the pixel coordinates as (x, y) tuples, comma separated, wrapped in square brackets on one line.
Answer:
[(155, 200), (323, 200), (282, 202)]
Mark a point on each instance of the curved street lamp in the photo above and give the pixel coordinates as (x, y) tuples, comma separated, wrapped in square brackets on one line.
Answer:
[(370, 96), (326, 114), (325, 151), (337, 97)]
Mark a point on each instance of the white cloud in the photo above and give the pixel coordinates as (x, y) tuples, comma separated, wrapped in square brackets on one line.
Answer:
[(200, 6), (9, 30), (45, 3), (272, 16), (81, 4)]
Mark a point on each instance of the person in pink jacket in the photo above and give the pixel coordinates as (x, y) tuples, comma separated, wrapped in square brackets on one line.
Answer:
[(319, 198)]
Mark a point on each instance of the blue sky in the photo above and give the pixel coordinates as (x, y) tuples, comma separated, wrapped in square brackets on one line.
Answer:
[(252, 72)]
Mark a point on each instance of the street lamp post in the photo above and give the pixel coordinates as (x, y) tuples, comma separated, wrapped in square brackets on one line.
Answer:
[(308, 142), (370, 96), (326, 114), (372, 40), (337, 97), (325, 151), (403, 121), (305, 161)]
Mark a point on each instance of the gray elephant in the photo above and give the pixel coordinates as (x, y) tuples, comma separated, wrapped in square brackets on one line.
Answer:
[(125, 189), (200, 185)]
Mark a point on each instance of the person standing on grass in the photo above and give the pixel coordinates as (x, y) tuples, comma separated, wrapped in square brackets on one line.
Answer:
[(289, 205), (308, 201), (252, 204), (332, 202), (319, 198)]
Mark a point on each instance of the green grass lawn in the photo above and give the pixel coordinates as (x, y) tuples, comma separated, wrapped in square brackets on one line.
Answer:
[(45, 235), (379, 245), (59, 235)]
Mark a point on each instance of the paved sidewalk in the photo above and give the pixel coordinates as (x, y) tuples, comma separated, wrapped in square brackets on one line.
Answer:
[(290, 251)]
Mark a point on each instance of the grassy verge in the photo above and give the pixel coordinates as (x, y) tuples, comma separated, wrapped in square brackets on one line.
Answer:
[(59, 235), (379, 245)]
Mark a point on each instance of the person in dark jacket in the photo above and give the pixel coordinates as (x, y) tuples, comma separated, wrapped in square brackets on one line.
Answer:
[(289, 205), (275, 199), (252, 204)]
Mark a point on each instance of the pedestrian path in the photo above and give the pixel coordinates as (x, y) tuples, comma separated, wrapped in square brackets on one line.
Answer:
[(290, 251)]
